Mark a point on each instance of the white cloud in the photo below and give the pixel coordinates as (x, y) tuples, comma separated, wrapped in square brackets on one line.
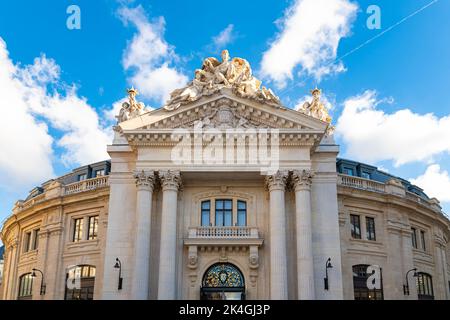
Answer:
[(31, 108), (148, 56), (225, 37), (435, 182), (372, 135), (310, 34)]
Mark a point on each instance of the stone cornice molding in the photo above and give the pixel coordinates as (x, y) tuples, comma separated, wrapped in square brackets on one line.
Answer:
[(277, 181), (144, 179), (302, 179), (170, 179)]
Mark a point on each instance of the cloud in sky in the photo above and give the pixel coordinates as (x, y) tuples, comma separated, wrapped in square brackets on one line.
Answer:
[(435, 182), (225, 37), (308, 40), (149, 58), (372, 135), (30, 110)]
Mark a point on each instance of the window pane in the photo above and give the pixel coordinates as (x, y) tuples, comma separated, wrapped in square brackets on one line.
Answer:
[(242, 205), (219, 204), (370, 228), (206, 204), (356, 226), (78, 230), (422, 234), (228, 218), (414, 237), (219, 218), (93, 228), (228, 204)]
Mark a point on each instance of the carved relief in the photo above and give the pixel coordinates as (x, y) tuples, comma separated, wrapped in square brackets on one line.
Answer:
[(277, 180), (144, 179), (302, 178), (132, 108), (170, 179)]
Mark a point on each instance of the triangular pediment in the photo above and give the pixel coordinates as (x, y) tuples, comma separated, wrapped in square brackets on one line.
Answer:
[(224, 110)]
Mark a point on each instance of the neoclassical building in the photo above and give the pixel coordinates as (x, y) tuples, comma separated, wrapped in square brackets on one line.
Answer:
[(223, 193)]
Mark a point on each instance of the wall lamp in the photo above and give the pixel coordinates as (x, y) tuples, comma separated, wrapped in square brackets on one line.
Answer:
[(43, 286), (118, 265), (406, 286), (325, 280)]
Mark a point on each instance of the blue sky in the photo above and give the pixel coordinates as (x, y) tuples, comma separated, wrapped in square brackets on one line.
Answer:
[(390, 98)]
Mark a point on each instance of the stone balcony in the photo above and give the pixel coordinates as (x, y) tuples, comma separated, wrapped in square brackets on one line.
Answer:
[(223, 236), (393, 187), (86, 185)]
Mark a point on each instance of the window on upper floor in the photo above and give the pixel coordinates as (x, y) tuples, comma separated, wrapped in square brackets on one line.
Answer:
[(27, 241), (365, 175), (227, 213), (82, 177), (356, 226), (99, 173), (206, 213), (224, 213), (348, 171), (93, 228), (25, 287), (414, 237), (77, 230), (423, 240), (370, 229), (241, 213), (35, 239), (424, 283)]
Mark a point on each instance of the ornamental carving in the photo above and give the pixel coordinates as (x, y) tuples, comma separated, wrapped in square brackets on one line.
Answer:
[(170, 179), (215, 75), (317, 109), (144, 179), (302, 178), (277, 180), (223, 275)]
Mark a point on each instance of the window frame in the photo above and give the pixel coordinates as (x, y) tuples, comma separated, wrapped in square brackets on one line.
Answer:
[(354, 234), (241, 211), (370, 229), (423, 240), (25, 293), (82, 177), (77, 234), (103, 171), (87, 283), (414, 238), (205, 212), (424, 284), (94, 234), (223, 212)]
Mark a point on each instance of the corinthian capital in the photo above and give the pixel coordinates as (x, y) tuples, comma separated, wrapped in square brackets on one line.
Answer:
[(302, 178), (277, 181), (170, 179), (145, 179)]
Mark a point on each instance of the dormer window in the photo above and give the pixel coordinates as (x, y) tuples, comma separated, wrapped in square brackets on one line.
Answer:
[(82, 177)]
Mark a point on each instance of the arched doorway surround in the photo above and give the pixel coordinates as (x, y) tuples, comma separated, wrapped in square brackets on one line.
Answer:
[(223, 281)]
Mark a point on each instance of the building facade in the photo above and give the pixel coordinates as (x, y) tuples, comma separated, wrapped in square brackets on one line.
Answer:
[(225, 194)]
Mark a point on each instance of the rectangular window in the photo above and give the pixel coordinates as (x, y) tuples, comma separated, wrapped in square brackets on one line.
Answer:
[(35, 243), (370, 229), (93, 228), (348, 171), (27, 242), (356, 226), (224, 213), (422, 238), (100, 173), (82, 177), (206, 213), (414, 237), (241, 213), (77, 230), (365, 175)]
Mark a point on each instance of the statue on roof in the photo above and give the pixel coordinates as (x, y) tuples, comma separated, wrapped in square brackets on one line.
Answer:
[(215, 75), (132, 108), (317, 109)]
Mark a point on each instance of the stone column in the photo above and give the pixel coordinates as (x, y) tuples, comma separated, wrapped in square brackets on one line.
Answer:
[(144, 184), (278, 263), (170, 181), (305, 263)]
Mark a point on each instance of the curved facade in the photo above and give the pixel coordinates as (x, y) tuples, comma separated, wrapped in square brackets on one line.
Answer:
[(379, 215)]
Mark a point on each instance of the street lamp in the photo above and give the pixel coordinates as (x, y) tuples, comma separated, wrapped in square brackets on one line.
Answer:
[(406, 286), (118, 265), (325, 280), (43, 286)]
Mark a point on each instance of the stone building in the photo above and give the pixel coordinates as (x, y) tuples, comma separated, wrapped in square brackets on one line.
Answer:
[(223, 193)]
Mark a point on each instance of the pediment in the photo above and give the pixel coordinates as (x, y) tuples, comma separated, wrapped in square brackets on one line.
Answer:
[(224, 110)]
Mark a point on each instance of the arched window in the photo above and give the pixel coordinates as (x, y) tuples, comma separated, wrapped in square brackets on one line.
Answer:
[(223, 281), (364, 289), (424, 284), (25, 287), (80, 282)]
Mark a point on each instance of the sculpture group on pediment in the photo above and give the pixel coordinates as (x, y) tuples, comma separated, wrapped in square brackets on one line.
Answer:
[(214, 75), (317, 109), (224, 117), (131, 108)]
